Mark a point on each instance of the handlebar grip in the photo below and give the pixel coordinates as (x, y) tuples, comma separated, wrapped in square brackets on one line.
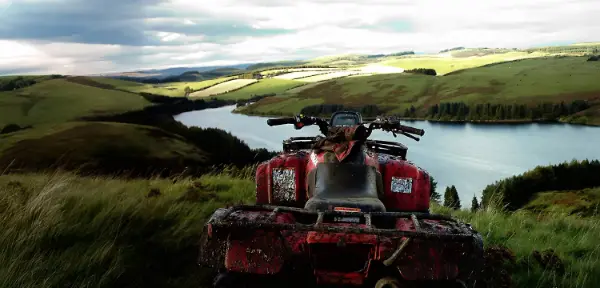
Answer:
[(281, 121), (412, 130)]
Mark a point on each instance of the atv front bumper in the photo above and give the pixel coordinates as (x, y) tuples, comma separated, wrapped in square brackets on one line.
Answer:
[(340, 247)]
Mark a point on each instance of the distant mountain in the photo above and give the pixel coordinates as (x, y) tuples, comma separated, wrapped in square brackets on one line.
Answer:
[(265, 65), (177, 71), (188, 76)]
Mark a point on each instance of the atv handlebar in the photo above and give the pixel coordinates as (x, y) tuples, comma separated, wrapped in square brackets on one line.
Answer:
[(388, 124), (301, 121), (412, 130), (281, 121)]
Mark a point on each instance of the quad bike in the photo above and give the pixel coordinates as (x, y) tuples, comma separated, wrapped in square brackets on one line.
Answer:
[(341, 210)]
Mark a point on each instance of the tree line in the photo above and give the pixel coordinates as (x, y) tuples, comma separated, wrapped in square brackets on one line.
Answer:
[(424, 71), (451, 199), (588, 49), (392, 54), (19, 82), (542, 111), (452, 49), (460, 111), (516, 191)]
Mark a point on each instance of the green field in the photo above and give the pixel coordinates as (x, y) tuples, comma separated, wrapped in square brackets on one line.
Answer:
[(444, 65), (59, 229), (264, 86), (175, 89), (528, 81), (60, 100), (224, 87)]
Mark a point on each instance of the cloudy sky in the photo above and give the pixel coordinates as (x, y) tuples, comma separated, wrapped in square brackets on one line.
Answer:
[(98, 36)]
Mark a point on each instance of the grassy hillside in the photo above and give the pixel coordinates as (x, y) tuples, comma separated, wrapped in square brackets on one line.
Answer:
[(444, 65), (174, 89), (10, 83), (224, 87), (60, 100), (99, 147), (528, 82), (264, 86), (585, 202), (123, 135), (517, 191), (60, 230)]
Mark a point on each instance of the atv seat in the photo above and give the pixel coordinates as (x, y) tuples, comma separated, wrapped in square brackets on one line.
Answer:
[(345, 185)]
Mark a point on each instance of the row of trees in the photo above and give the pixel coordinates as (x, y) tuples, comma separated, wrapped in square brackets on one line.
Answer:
[(19, 82), (452, 49), (392, 54), (451, 199), (516, 191), (463, 111), (424, 71), (591, 49)]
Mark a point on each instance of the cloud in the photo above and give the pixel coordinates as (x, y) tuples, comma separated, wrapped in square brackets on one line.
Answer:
[(93, 36)]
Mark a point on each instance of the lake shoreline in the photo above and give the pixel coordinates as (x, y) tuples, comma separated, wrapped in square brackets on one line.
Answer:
[(457, 122), (487, 152)]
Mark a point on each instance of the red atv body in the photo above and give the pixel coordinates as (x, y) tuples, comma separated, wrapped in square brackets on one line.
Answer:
[(341, 210)]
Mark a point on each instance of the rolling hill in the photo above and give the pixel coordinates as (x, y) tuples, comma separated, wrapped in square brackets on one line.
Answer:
[(99, 148), (59, 100), (519, 82)]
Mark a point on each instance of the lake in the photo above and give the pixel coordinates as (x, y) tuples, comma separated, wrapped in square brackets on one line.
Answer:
[(468, 156)]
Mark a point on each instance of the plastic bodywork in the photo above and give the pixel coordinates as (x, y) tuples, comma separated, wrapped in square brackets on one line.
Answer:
[(284, 180)]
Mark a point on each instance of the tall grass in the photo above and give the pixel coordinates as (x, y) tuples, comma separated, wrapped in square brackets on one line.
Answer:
[(62, 230), (574, 239)]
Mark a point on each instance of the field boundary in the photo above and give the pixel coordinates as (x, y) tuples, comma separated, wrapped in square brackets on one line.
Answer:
[(331, 79), (95, 84), (315, 75), (204, 88), (236, 89)]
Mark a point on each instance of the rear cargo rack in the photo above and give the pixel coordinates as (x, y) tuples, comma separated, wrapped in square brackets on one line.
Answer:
[(226, 218)]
